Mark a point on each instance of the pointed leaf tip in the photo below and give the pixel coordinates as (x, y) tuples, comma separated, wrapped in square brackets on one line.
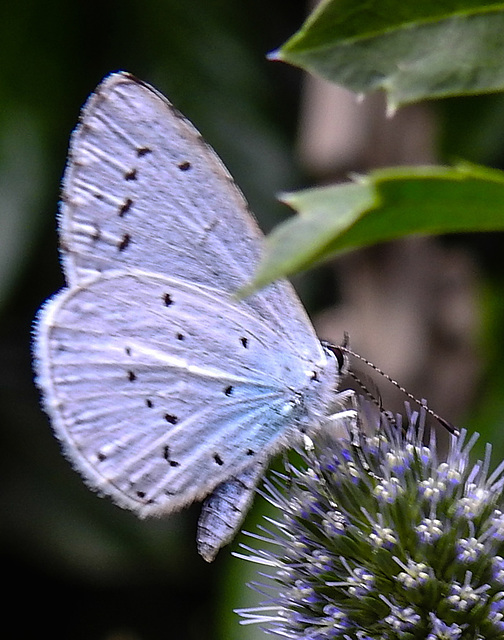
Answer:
[(275, 55)]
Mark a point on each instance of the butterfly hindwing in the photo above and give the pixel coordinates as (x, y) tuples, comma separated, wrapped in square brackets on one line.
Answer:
[(152, 401), (143, 190)]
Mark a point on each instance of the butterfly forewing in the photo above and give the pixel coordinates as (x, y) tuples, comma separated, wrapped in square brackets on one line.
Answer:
[(143, 190)]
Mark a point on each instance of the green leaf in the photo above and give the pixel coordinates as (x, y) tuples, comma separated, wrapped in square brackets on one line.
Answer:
[(385, 205), (412, 50)]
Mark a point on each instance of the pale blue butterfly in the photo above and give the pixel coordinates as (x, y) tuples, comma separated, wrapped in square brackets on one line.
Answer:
[(163, 387)]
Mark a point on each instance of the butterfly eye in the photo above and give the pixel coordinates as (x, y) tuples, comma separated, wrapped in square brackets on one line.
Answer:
[(338, 353)]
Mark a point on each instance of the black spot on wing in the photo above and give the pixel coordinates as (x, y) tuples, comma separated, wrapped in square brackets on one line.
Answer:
[(167, 457), (125, 240), (125, 207)]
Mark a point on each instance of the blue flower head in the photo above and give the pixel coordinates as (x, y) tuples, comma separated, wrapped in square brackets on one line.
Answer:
[(378, 539)]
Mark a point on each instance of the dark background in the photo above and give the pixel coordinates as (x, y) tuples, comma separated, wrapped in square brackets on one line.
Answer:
[(75, 566)]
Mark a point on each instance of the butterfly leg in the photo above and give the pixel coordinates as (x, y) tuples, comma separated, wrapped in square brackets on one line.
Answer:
[(343, 421)]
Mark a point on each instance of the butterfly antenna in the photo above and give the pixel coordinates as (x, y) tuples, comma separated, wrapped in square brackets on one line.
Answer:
[(367, 393), (374, 399), (447, 425)]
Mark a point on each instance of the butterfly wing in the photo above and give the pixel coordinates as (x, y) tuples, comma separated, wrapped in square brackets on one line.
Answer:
[(161, 386)]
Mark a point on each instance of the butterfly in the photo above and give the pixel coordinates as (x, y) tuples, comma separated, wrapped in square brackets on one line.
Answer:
[(162, 385)]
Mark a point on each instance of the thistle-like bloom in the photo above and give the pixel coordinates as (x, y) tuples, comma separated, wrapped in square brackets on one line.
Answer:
[(378, 540)]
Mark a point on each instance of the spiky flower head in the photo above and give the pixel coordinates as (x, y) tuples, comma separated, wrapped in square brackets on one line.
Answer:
[(378, 539)]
